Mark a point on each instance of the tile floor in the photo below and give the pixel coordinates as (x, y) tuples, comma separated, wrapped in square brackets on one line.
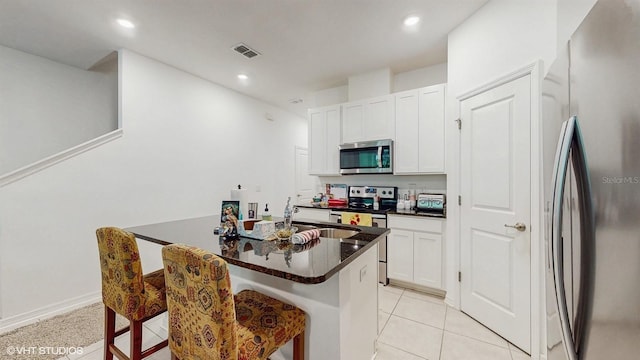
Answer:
[(414, 326), (417, 326)]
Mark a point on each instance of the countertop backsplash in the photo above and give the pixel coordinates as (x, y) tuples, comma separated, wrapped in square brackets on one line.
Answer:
[(420, 183)]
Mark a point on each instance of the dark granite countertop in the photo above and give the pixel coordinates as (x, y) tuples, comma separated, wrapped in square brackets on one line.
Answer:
[(311, 263), (416, 213)]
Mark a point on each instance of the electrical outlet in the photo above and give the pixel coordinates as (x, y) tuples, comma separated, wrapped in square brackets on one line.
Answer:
[(363, 272)]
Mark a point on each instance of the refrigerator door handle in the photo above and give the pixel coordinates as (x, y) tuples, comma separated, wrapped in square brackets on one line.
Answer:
[(571, 140)]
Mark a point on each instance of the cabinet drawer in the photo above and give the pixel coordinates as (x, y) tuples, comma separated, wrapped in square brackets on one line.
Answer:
[(415, 223)]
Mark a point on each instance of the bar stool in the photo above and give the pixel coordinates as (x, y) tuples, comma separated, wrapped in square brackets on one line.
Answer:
[(206, 321), (126, 291)]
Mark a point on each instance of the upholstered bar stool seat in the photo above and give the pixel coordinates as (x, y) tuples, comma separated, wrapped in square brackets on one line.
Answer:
[(206, 321), (265, 324), (126, 291)]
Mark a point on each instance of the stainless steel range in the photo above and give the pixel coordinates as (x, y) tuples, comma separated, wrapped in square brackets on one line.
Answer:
[(377, 201)]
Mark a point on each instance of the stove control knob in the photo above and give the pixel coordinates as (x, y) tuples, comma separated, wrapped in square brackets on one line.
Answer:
[(384, 192), (358, 191)]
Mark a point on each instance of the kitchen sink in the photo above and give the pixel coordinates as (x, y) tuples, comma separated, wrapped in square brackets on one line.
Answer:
[(354, 242), (337, 233), (304, 227)]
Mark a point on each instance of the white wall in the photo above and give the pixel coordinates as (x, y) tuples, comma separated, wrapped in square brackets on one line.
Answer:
[(404, 183), (186, 143), (370, 84), (426, 76), (47, 107), (331, 96), (378, 83), (570, 15)]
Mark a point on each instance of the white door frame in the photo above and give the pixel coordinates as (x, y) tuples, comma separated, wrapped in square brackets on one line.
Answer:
[(296, 148), (537, 203)]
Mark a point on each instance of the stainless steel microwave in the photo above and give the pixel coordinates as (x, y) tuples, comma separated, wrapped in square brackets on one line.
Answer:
[(367, 157)]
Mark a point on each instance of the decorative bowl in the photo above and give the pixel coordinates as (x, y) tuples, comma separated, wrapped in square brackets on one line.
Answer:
[(285, 234)]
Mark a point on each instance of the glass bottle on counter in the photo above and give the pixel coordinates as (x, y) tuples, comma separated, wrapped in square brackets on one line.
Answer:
[(287, 214), (266, 215)]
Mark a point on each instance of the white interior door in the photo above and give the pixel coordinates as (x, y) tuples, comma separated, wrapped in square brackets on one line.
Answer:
[(495, 259), (305, 183)]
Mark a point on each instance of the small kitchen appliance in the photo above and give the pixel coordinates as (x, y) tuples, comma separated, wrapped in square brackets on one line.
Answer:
[(434, 204)]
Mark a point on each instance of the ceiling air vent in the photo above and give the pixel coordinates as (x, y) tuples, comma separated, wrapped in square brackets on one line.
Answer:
[(245, 51)]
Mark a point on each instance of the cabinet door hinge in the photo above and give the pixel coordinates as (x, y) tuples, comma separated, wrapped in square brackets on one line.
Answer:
[(459, 200), (459, 276), (459, 121)]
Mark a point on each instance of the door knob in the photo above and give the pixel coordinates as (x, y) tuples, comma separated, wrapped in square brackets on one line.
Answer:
[(518, 226)]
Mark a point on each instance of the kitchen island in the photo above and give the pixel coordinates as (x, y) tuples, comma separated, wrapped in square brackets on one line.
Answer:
[(333, 280)]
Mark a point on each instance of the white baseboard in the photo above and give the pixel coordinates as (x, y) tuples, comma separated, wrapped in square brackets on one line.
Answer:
[(48, 311), (407, 285), (451, 302)]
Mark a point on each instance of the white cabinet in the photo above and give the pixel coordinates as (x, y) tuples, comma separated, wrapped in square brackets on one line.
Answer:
[(414, 250), (419, 129), (311, 214), (427, 259), (324, 139), (370, 119), (400, 247)]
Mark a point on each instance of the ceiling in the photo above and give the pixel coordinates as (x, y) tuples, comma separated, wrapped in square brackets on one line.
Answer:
[(305, 45)]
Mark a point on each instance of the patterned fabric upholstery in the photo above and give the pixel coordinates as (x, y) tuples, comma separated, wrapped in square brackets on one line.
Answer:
[(265, 324), (207, 322), (124, 289)]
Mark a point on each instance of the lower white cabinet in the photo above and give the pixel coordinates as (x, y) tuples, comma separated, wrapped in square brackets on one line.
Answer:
[(311, 214), (414, 250), (399, 250)]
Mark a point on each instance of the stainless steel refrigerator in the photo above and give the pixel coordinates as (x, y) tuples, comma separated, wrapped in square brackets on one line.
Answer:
[(591, 124)]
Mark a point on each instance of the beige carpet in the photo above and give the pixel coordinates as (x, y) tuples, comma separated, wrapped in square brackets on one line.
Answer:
[(51, 338)]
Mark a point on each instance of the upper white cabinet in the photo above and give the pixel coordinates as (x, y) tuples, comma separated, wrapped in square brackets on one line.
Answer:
[(369, 119), (324, 139), (419, 131)]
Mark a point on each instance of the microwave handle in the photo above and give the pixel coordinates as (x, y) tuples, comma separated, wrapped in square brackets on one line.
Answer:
[(379, 158)]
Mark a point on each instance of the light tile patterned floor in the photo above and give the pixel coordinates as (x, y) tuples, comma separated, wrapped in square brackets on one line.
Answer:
[(417, 326), (413, 326)]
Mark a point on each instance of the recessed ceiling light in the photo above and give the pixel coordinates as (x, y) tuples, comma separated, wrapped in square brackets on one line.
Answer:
[(126, 23), (411, 20), (243, 76)]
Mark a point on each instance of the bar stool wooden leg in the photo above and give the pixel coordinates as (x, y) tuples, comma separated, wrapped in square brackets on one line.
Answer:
[(298, 347), (109, 331), (136, 340)]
